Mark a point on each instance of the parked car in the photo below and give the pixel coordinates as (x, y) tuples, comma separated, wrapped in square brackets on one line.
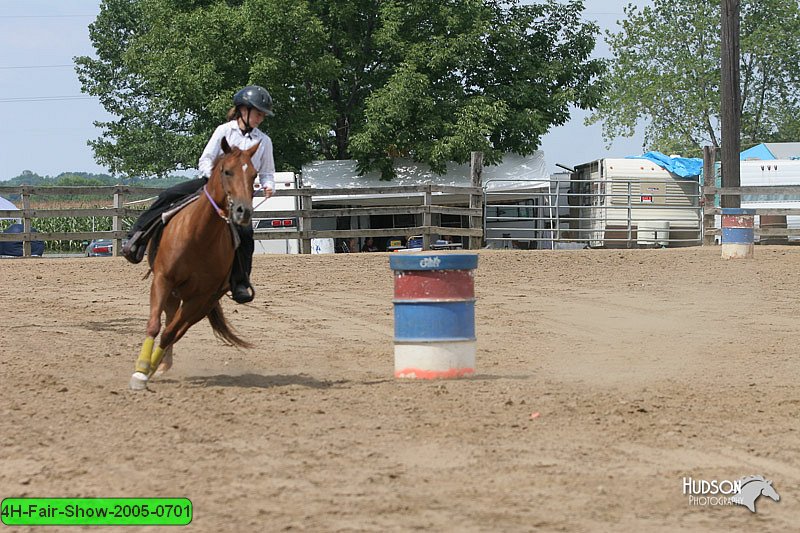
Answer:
[(100, 248)]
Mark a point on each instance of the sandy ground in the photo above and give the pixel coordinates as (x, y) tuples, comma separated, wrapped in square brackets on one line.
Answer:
[(645, 366)]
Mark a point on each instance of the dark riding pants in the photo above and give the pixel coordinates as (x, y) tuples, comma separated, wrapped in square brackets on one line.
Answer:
[(165, 200), (243, 262)]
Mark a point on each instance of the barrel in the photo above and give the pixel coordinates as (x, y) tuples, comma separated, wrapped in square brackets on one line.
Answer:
[(737, 233), (434, 315)]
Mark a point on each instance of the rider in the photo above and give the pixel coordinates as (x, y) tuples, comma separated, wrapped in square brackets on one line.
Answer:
[(250, 105)]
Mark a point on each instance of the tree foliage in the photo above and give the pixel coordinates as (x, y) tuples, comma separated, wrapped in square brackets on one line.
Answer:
[(87, 179), (666, 70), (365, 79)]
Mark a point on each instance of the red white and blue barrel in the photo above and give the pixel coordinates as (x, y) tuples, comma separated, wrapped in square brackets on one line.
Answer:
[(434, 315), (737, 233)]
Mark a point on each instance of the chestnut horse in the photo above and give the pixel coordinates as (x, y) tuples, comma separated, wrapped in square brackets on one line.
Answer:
[(192, 261)]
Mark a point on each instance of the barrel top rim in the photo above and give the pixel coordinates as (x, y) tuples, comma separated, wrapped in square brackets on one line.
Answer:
[(433, 261)]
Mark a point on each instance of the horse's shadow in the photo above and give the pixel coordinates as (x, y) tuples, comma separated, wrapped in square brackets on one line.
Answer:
[(115, 325), (258, 381)]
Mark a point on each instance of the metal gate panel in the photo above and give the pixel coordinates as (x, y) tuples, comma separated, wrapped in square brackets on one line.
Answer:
[(570, 213)]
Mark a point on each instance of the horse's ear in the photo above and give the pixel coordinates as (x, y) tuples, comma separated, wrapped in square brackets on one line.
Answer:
[(250, 151), (225, 146)]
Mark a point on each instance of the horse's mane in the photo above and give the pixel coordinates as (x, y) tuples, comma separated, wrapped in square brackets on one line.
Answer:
[(745, 480)]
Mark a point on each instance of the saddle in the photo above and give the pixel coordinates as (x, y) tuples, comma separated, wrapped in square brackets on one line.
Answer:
[(154, 231), (173, 210)]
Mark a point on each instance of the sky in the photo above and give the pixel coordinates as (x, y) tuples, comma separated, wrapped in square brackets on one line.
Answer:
[(48, 121)]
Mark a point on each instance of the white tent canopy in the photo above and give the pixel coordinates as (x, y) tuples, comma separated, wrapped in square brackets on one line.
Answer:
[(514, 173), (5, 205)]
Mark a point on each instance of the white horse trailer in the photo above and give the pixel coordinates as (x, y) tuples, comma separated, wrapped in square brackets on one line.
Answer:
[(267, 217), (623, 202), (776, 172)]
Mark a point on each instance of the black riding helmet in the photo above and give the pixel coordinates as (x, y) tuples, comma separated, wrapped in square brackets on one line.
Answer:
[(254, 96)]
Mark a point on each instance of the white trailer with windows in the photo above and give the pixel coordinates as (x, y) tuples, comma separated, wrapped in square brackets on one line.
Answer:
[(775, 172), (267, 217), (621, 202)]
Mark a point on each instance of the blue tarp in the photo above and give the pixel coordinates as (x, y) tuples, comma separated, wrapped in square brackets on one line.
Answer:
[(685, 167), (15, 247)]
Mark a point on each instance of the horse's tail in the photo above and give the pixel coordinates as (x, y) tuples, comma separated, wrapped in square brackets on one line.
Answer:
[(222, 329)]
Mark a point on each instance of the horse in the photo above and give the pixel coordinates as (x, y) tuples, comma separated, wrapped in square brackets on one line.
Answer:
[(192, 260), (751, 488)]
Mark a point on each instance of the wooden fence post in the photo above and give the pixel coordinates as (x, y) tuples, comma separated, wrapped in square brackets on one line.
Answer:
[(305, 222), (476, 199), (709, 156), (116, 222), (427, 221), (26, 223)]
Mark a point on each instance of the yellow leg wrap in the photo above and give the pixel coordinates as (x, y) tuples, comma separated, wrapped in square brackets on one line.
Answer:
[(143, 362), (155, 360)]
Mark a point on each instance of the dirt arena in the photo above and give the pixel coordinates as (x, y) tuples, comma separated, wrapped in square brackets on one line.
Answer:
[(603, 379)]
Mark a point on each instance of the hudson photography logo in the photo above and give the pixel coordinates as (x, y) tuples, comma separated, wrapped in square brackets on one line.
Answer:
[(715, 492)]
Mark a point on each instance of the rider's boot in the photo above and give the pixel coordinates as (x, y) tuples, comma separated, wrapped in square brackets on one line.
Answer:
[(242, 292), (134, 247)]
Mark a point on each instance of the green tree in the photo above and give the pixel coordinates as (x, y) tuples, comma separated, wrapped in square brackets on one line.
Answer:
[(26, 178), (425, 79), (666, 69), (72, 180)]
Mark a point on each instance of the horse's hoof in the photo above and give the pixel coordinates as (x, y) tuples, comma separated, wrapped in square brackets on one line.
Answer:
[(163, 367), (138, 381)]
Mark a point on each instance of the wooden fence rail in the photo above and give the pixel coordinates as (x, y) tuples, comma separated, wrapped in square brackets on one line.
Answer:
[(710, 210), (418, 200)]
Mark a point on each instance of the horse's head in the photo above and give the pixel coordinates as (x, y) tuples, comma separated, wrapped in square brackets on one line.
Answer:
[(769, 491), (752, 487), (237, 174)]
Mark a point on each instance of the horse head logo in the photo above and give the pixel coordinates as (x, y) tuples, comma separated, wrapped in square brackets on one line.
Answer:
[(752, 488)]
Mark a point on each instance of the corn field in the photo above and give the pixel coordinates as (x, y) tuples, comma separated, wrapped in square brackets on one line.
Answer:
[(69, 224)]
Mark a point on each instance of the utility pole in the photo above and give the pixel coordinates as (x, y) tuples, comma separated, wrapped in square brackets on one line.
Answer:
[(731, 111)]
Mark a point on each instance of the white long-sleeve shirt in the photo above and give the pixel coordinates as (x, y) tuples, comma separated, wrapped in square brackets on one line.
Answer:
[(263, 159)]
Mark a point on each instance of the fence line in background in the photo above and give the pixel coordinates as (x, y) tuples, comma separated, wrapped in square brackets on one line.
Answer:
[(591, 212), (428, 193), (782, 223)]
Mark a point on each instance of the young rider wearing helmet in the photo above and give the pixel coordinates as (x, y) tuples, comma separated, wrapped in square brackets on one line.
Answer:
[(250, 105)]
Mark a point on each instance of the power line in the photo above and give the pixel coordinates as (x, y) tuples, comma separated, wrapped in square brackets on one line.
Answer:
[(45, 16), (45, 98), (38, 66)]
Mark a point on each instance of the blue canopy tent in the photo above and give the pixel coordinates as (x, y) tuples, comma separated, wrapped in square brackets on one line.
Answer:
[(770, 151)]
